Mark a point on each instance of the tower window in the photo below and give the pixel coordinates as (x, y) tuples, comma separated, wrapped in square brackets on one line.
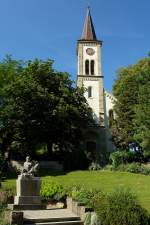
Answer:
[(89, 92), (92, 67), (87, 67)]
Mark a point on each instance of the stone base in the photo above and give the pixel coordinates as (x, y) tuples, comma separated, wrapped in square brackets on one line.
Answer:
[(16, 218), (27, 200), (26, 207), (28, 185)]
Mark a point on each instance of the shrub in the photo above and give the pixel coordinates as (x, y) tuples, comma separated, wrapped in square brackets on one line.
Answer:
[(85, 196), (134, 168), (52, 190), (4, 215), (7, 195), (1, 167), (3, 204), (123, 157), (120, 207), (76, 160), (120, 157)]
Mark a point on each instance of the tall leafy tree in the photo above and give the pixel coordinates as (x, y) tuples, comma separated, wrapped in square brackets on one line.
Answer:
[(9, 70), (132, 107), (142, 109), (41, 106)]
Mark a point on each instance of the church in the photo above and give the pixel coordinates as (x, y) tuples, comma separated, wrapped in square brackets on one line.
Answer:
[(89, 76)]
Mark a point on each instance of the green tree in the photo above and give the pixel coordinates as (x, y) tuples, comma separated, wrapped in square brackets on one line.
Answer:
[(142, 109), (9, 70), (41, 106), (132, 107)]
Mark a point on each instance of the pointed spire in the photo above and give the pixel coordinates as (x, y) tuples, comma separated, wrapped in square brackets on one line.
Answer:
[(88, 29)]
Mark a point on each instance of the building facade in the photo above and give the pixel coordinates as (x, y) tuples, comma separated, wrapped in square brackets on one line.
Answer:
[(90, 77)]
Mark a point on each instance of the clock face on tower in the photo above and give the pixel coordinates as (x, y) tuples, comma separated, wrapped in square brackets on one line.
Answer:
[(90, 51)]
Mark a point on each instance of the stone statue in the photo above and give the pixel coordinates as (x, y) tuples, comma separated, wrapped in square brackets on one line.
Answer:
[(28, 187), (30, 168)]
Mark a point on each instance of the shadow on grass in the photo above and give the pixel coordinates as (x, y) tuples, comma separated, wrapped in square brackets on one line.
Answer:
[(48, 172)]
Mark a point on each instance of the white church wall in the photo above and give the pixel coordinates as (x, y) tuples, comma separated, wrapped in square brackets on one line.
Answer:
[(94, 100), (109, 105)]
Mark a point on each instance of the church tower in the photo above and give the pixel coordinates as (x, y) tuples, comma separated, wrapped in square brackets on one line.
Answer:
[(90, 77), (89, 69)]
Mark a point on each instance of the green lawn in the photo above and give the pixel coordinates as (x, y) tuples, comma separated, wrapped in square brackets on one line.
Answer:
[(104, 180)]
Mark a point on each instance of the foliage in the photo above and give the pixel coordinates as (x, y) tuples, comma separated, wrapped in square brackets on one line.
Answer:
[(52, 190), (1, 166), (131, 129), (40, 106), (121, 157), (134, 168), (127, 162), (5, 196), (76, 160), (120, 207), (83, 195), (4, 218)]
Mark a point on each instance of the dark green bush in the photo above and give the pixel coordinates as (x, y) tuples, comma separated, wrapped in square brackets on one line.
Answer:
[(124, 157), (120, 208), (3, 205), (7, 195), (76, 160), (52, 190), (85, 196), (134, 168), (119, 157), (1, 167)]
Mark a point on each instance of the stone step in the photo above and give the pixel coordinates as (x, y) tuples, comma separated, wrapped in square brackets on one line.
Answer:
[(52, 220), (57, 223), (26, 207), (56, 217)]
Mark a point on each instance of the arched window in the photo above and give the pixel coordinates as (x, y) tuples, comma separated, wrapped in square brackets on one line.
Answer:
[(111, 117), (111, 114), (92, 67), (89, 92), (87, 67)]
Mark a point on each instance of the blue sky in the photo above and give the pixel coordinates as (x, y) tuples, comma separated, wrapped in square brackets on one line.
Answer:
[(50, 28)]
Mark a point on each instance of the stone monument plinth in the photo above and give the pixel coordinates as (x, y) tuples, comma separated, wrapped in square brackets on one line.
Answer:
[(28, 190)]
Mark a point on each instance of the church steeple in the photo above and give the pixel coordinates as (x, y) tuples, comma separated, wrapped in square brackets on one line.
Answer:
[(88, 32), (90, 70)]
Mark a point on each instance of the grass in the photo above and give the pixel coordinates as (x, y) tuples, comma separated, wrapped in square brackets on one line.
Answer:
[(103, 180)]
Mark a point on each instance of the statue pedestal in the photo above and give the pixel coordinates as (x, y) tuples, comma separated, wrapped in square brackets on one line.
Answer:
[(28, 190), (28, 193)]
